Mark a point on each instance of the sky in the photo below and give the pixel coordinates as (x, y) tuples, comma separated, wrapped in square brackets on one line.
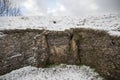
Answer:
[(68, 7)]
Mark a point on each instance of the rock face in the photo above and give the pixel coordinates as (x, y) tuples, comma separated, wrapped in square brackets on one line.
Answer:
[(100, 51), (40, 48), (59, 44)]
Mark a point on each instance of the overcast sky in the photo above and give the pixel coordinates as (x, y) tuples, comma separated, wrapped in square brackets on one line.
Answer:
[(68, 7)]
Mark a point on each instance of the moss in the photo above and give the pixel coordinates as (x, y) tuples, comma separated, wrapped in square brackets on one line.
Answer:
[(51, 65), (55, 65)]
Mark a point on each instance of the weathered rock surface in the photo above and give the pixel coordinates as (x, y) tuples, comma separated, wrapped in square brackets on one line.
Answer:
[(40, 48), (100, 51)]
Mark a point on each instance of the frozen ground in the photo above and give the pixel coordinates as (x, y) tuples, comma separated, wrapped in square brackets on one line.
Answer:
[(109, 22), (66, 72)]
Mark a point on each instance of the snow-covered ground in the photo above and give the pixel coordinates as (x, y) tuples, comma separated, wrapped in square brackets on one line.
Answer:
[(1, 35), (109, 22), (38, 22), (66, 72)]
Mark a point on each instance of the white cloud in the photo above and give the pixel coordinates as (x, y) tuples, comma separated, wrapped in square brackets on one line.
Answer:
[(39, 7), (31, 7), (28, 6), (63, 7), (58, 10), (94, 7), (80, 7)]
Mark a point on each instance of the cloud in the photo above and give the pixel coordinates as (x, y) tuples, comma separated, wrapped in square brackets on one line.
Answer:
[(59, 9), (85, 7), (109, 4), (30, 7), (80, 7), (42, 7), (68, 7)]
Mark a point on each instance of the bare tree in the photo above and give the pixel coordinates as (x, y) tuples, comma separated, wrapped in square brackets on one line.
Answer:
[(2, 6), (7, 9)]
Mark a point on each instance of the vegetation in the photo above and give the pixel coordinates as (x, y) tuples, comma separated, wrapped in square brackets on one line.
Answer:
[(8, 9)]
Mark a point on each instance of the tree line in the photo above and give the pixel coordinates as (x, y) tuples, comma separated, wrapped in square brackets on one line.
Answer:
[(8, 9)]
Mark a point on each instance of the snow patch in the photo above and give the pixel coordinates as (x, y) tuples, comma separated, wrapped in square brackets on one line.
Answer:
[(107, 22), (68, 72), (114, 33), (2, 35), (17, 55)]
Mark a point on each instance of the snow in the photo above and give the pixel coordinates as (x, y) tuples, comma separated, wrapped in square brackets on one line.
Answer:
[(38, 22), (66, 72), (17, 55), (109, 22), (114, 33), (2, 35)]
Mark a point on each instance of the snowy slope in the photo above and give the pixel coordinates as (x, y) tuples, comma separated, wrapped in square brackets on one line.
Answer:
[(38, 22), (67, 72), (105, 21), (108, 22)]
